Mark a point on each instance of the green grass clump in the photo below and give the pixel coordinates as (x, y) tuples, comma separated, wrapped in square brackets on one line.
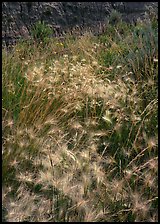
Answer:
[(80, 127), (41, 32)]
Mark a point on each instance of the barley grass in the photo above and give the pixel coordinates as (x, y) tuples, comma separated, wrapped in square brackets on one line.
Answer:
[(80, 128)]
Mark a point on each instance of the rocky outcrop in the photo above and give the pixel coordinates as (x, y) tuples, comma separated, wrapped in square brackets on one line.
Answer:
[(18, 17)]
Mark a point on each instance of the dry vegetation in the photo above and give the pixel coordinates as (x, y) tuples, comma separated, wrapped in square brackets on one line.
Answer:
[(80, 127)]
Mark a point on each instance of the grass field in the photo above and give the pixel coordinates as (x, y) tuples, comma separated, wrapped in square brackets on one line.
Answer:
[(80, 127)]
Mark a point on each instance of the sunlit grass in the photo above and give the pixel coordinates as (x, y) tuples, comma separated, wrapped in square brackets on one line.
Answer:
[(80, 128)]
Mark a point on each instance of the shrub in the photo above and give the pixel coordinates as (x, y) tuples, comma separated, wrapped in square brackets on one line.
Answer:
[(115, 17), (41, 32)]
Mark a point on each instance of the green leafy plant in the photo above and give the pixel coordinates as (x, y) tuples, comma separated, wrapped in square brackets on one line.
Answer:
[(115, 17), (41, 32)]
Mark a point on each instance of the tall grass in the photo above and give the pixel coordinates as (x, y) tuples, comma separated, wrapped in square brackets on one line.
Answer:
[(80, 127)]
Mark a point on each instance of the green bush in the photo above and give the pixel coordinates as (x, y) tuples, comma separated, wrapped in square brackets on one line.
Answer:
[(41, 32), (115, 17)]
